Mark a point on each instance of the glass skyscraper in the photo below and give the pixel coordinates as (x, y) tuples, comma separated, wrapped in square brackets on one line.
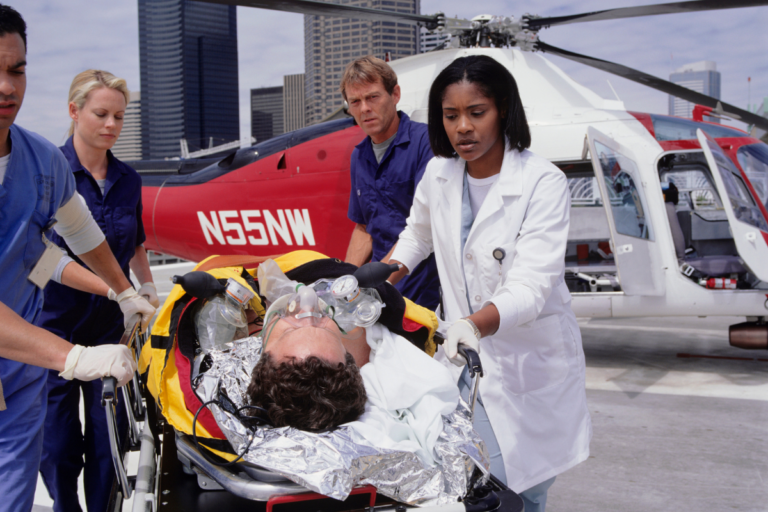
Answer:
[(189, 78)]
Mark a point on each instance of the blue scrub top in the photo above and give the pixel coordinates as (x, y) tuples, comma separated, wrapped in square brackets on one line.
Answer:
[(36, 184), (80, 317), (382, 195)]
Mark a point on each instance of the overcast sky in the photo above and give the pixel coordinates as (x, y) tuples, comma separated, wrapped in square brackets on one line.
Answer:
[(66, 37)]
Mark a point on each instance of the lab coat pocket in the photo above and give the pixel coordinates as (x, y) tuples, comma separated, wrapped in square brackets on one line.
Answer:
[(533, 358)]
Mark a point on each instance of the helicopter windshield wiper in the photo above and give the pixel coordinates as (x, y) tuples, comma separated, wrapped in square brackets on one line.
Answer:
[(659, 84), (536, 23)]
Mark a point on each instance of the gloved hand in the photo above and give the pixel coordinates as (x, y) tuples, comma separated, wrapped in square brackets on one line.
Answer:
[(89, 363), (131, 303), (149, 292), (460, 333)]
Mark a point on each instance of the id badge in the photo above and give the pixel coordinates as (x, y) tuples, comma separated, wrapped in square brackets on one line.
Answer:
[(46, 265)]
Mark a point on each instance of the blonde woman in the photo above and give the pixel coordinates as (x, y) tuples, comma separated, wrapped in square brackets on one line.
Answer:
[(112, 191)]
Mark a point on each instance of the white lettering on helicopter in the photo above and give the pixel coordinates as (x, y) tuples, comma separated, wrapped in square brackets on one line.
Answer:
[(221, 223)]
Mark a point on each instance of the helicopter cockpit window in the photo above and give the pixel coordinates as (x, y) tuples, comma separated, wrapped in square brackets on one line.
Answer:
[(626, 205), (675, 128), (754, 160), (744, 207)]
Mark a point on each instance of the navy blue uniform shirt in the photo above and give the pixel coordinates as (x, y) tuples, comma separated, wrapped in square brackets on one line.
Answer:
[(81, 317), (382, 195)]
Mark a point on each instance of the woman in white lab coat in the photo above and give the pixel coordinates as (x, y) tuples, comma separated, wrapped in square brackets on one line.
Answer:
[(496, 216)]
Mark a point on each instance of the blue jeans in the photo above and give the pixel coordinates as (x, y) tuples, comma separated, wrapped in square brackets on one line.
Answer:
[(535, 498)]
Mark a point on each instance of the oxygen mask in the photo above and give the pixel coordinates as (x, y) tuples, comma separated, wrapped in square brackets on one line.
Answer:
[(300, 309)]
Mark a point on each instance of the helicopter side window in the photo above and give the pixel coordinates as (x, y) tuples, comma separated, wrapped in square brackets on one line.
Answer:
[(754, 160), (626, 206), (696, 191), (744, 207)]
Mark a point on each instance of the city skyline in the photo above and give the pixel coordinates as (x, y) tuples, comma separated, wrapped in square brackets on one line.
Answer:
[(189, 74), (331, 43), (271, 46)]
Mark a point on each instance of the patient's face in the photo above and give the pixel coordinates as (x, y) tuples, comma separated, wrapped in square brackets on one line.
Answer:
[(323, 340)]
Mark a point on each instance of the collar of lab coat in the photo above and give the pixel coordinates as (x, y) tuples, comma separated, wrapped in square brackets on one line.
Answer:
[(451, 178)]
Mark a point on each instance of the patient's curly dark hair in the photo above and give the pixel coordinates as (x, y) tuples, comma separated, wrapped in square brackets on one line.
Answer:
[(310, 394)]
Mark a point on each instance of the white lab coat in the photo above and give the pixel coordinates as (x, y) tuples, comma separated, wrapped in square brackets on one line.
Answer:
[(534, 384)]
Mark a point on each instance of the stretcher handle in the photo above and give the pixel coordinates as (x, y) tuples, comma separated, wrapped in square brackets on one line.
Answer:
[(475, 369), (109, 401), (109, 386), (474, 366)]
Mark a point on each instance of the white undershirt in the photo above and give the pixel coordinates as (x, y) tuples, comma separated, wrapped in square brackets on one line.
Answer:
[(102, 185), (4, 166), (478, 189)]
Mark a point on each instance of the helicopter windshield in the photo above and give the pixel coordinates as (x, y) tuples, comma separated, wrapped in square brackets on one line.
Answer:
[(754, 160), (742, 202), (676, 128)]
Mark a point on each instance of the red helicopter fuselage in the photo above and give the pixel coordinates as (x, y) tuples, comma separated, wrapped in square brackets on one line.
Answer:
[(292, 192)]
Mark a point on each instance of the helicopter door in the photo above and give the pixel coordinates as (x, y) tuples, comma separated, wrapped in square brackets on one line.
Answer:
[(626, 210), (748, 226)]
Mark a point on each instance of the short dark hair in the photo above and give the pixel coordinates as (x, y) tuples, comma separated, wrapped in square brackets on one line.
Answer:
[(309, 394), (11, 22), (496, 83)]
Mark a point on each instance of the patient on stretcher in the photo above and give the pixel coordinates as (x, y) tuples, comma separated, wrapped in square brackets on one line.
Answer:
[(314, 376), (307, 378)]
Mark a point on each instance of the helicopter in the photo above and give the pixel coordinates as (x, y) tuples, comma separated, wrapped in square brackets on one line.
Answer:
[(291, 192)]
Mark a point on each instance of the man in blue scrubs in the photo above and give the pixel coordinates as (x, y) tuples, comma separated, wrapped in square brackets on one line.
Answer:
[(36, 189), (385, 169)]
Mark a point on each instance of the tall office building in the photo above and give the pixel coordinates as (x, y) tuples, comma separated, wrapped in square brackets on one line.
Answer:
[(128, 145), (331, 43), (189, 79), (293, 102), (701, 77), (266, 112)]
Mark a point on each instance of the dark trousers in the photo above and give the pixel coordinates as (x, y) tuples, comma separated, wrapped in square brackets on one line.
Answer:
[(65, 445)]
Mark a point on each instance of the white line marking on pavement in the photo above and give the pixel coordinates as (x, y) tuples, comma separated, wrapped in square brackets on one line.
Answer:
[(660, 328), (702, 384)]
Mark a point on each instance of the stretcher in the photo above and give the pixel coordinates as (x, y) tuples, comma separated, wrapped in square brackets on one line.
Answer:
[(173, 474)]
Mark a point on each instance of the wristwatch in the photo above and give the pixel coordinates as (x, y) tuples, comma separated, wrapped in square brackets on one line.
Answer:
[(475, 330)]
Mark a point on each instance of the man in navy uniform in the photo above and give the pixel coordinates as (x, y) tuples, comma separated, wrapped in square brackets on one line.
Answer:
[(385, 169)]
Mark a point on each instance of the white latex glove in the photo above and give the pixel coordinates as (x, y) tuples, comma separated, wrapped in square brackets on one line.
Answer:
[(149, 292), (460, 333), (131, 303), (89, 363)]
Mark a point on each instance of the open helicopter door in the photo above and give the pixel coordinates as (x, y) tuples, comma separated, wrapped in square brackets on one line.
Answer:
[(748, 226), (626, 210)]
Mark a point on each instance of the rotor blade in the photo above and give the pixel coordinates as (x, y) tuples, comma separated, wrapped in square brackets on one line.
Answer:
[(328, 9), (659, 84), (642, 10)]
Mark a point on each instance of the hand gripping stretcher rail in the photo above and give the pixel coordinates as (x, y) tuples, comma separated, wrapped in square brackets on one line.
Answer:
[(173, 474)]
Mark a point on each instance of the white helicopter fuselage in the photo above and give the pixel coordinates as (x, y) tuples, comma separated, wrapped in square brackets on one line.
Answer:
[(560, 114)]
